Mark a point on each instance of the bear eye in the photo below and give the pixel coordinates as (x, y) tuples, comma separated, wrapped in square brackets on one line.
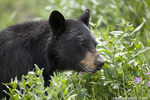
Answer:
[(84, 44)]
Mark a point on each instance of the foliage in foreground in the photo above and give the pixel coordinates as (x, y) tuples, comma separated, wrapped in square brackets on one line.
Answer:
[(125, 74)]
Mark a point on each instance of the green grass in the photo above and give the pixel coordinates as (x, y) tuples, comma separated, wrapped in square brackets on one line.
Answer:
[(122, 31)]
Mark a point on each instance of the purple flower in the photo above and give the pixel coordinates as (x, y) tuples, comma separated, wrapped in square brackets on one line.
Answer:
[(148, 83), (137, 79), (148, 73), (80, 72)]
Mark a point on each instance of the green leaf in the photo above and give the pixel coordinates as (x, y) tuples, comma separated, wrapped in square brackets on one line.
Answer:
[(105, 35), (139, 27), (107, 82), (72, 97), (39, 91), (142, 51), (116, 32), (120, 54), (115, 85)]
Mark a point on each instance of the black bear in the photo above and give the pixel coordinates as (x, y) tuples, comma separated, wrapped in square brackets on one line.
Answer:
[(54, 44)]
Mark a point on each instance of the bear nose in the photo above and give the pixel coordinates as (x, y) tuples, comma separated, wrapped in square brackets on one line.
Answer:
[(99, 64)]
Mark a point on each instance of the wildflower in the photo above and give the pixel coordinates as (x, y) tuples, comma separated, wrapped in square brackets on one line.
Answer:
[(137, 79), (148, 83), (148, 73), (80, 72), (38, 72)]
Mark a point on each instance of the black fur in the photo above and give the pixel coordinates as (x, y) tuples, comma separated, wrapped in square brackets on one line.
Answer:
[(54, 44)]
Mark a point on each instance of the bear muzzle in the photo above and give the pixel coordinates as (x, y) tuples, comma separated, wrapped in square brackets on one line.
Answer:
[(91, 63)]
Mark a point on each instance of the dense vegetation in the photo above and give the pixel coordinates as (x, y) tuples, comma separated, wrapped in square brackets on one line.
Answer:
[(121, 28)]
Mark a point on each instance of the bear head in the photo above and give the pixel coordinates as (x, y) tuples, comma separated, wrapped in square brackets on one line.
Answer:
[(73, 45)]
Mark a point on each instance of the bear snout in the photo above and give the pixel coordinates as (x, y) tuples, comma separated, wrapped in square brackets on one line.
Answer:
[(92, 62)]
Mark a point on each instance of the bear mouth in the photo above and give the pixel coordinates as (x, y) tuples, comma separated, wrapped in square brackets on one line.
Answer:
[(88, 69)]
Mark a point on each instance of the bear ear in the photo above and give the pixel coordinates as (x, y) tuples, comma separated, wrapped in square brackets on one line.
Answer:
[(85, 17), (57, 23)]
